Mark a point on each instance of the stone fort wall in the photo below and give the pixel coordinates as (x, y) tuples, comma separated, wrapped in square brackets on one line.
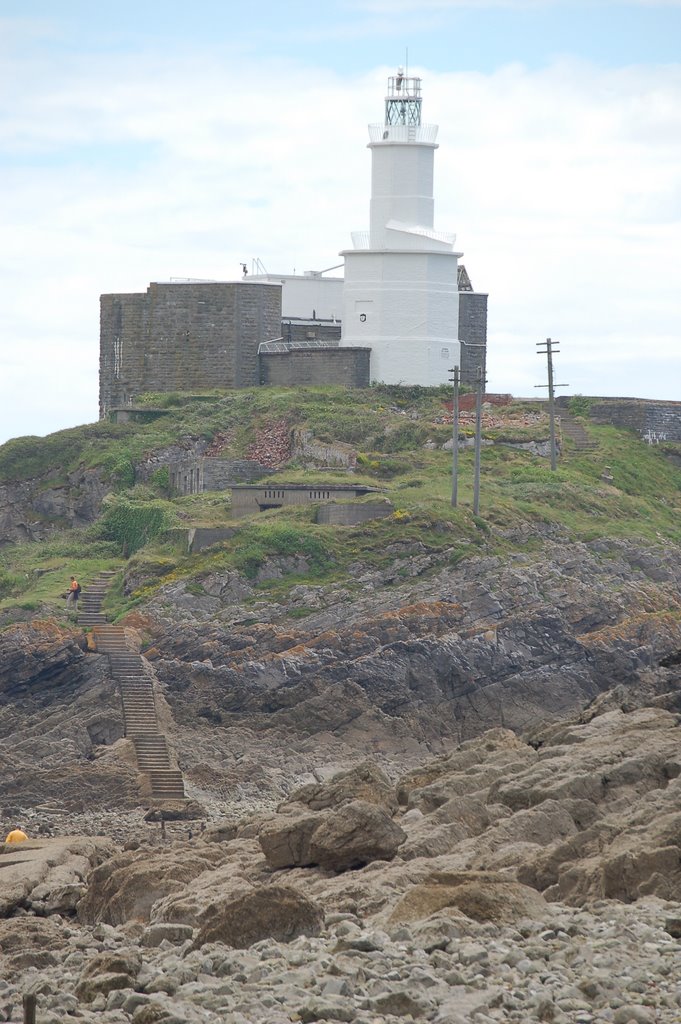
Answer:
[(191, 336), (184, 337), (654, 421), (312, 366), (472, 331)]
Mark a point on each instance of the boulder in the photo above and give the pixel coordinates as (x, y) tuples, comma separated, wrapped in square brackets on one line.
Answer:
[(355, 834), (364, 782), (286, 840), (29, 942), (127, 885), (166, 931), (107, 972), (48, 875), (480, 895), (88, 989), (268, 912)]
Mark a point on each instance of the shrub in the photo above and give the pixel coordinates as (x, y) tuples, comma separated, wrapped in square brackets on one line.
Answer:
[(579, 405), (11, 583), (160, 479), (259, 542), (134, 523)]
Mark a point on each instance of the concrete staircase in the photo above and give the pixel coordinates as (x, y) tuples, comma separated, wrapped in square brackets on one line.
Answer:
[(90, 601), (137, 696), (573, 429)]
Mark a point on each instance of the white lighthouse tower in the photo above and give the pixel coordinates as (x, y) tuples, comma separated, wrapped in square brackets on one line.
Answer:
[(400, 295)]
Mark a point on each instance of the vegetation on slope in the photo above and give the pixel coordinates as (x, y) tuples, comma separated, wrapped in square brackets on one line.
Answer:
[(399, 433)]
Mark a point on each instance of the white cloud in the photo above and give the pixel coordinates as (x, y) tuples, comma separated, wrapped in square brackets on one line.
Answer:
[(563, 185)]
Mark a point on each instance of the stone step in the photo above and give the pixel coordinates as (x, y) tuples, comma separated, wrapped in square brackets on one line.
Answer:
[(141, 714), (158, 740), (578, 435), (166, 787), (153, 762), (151, 758)]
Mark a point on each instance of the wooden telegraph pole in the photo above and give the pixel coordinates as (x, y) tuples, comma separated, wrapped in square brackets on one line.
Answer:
[(479, 388), (29, 1002), (455, 436), (549, 350)]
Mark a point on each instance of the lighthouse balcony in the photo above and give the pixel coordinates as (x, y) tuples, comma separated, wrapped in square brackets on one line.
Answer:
[(426, 134)]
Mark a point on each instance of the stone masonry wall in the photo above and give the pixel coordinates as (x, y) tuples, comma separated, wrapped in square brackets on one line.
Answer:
[(184, 337), (311, 330), (473, 330), (191, 476), (344, 366), (654, 421)]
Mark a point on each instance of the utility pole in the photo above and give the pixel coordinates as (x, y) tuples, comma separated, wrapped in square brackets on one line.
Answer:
[(549, 351), (479, 383), (455, 436)]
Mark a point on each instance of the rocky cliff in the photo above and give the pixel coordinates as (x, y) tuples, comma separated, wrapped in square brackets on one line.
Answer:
[(409, 661)]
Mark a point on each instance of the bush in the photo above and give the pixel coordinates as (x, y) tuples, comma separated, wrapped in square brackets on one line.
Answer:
[(579, 405), (160, 480), (257, 543), (134, 523), (11, 583)]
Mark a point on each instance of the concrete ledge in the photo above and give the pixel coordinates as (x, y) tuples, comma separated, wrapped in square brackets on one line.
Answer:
[(351, 514)]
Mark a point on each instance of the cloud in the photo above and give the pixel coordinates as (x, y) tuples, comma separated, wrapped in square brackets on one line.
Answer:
[(562, 184)]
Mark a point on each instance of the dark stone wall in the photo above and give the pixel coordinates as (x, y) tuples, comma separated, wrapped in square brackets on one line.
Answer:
[(473, 331), (184, 337), (205, 473), (654, 421), (310, 330), (345, 366), (219, 474)]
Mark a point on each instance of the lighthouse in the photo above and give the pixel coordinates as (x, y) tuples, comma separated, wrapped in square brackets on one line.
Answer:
[(400, 295)]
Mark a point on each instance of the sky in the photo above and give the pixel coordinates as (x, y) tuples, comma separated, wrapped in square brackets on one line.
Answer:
[(145, 141)]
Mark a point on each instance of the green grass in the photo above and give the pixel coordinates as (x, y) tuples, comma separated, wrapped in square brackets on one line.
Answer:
[(41, 571), (389, 426)]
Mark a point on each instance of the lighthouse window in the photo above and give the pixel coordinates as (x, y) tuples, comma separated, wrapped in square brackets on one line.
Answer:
[(444, 352)]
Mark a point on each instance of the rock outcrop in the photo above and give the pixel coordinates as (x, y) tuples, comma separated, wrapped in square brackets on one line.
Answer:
[(550, 891)]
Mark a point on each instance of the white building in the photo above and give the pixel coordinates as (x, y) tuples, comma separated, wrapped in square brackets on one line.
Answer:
[(309, 296), (401, 295)]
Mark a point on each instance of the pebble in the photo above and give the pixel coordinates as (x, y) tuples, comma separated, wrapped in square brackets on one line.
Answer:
[(514, 976)]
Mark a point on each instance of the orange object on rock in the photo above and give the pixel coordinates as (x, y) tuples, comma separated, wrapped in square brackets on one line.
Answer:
[(17, 835)]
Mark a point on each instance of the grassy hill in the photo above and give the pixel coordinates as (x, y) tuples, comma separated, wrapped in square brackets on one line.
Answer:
[(398, 434)]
